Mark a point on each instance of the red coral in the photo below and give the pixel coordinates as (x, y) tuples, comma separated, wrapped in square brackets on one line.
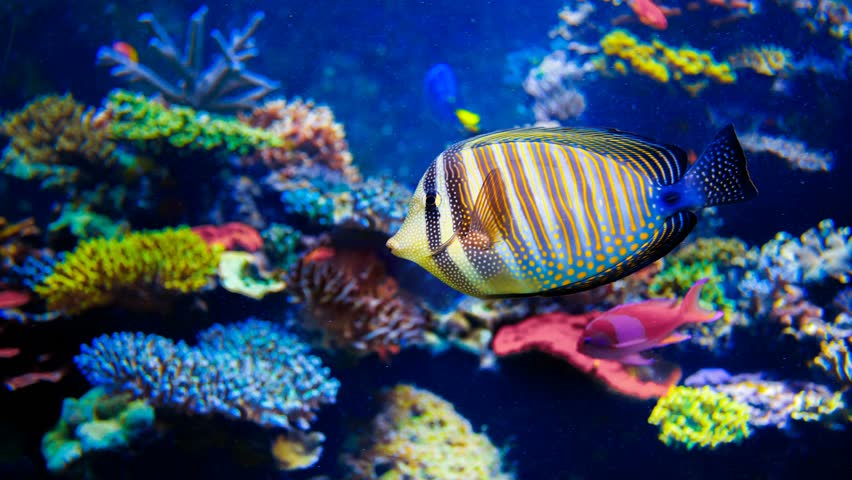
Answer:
[(230, 236), (558, 334), (311, 137), (349, 297)]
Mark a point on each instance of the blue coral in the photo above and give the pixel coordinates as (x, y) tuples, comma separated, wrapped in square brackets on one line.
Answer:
[(253, 371)]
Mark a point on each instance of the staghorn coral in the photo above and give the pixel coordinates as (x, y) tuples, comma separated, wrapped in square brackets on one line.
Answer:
[(700, 417), (795, 152), (308, 136), (420, 436), (778, 404), (152, 125), (835, 358), (13, 248), (663, 63), (354, 303), (134, 269), (57, 141), (225, 85), (251, 371), (96, 422)]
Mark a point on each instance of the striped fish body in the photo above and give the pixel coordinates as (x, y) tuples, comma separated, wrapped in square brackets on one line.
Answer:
[(557, 211)]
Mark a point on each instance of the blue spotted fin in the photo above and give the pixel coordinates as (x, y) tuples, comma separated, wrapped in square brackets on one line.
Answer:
[(720, 176)]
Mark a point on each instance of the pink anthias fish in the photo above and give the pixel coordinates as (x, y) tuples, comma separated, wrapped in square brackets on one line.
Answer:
[(624, 331)]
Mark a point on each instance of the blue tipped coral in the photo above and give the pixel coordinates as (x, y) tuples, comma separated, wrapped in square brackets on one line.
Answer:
[(252, 370)]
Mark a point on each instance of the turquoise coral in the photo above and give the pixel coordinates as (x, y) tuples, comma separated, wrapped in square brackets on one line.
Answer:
[(96, 422)]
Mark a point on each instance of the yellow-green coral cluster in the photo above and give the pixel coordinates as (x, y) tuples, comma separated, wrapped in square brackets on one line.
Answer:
[(676, 279), (51, 139), (420, 436), (132, 268), (663, 63), (769, 60), (700, 417), (152, 124), (715, 250)]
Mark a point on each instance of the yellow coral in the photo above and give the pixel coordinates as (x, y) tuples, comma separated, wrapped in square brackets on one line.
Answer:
[(662, 62), (769, 60), (420, 436), (700, 417), (715, 250), (133, 268)]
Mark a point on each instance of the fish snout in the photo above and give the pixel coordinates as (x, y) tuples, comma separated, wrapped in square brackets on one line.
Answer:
[(393, 245)]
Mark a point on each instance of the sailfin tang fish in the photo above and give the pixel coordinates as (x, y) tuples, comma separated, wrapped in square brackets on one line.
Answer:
[(538, 211), (621, 333)]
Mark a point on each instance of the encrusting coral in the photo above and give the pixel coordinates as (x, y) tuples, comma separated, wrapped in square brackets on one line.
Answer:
[(252, 371), (96, 422), (136, 269), (420, 436)]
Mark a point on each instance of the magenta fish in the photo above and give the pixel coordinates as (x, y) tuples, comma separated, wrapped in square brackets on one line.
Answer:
[(624, 331)]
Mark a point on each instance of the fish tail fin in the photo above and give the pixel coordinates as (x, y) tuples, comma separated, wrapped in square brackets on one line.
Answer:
[(691, 311), (720, 176)]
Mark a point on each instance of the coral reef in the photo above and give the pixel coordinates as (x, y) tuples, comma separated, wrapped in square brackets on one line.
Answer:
[(59, 142), (137, 269), (795, 152), (225, 85), (420, 436), (558, 334), (297, 450), (96, 422), (818, 254), (252, 371), (549, 84), (308, 136), (700, 417), (280, 243), (349, 297), (152, 125), (768, 60)]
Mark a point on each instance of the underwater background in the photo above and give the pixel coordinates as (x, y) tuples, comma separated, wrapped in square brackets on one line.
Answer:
[(194, 281)]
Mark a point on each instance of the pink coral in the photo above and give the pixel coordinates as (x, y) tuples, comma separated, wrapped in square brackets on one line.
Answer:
[(310, 134)]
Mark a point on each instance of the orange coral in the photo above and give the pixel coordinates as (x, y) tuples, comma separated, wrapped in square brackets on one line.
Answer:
[(348, 296), (310, 134)]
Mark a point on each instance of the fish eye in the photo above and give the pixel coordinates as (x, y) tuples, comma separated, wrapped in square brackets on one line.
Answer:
[(432, 200)]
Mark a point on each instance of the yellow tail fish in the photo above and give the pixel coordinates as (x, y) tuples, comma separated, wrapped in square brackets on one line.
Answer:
[(540, 211)]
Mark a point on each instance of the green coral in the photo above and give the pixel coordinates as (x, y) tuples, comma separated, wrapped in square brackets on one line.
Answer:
[(82, 222), (715, 250), (134, 269), (676, 279), (96, 422), (700, 417), (151, 125), (280, 243)]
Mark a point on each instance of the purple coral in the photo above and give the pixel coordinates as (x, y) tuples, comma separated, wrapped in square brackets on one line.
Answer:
[(225, 85), (252, 370)]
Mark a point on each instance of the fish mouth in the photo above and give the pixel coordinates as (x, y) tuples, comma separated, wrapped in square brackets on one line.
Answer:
[(393, 245)]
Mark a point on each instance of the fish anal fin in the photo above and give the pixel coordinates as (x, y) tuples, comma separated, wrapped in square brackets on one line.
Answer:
[(674, 338), (490, 217)]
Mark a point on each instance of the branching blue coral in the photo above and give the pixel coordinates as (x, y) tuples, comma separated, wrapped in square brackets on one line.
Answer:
[(252, 371)]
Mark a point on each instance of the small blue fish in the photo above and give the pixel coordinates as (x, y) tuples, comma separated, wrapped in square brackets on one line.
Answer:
[(441, 91)]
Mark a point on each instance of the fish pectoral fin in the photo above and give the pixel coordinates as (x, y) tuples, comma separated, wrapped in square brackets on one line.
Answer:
[(444, 245), (674, 338), (636, 359), (490, 216), (630, 343)]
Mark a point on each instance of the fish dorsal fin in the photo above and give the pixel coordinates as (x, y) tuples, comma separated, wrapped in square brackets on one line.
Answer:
[(665, 164), (490, 217)]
